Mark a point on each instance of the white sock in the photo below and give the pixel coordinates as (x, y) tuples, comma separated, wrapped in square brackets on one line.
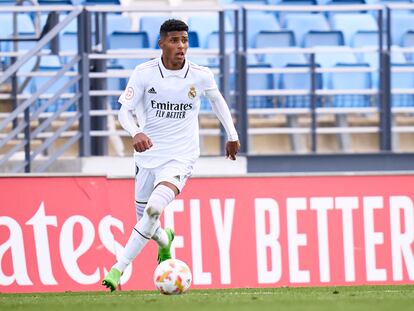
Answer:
[(133, 247), (147, 226), (159, 236)]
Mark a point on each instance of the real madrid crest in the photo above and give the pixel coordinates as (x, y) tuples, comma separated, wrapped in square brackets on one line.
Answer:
[(192, 93)]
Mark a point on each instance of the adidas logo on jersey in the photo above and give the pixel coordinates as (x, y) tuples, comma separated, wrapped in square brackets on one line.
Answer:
[(152, 91)]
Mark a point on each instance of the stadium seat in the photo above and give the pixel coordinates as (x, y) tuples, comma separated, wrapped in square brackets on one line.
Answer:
[(258, 21), (268, 39), (193, 41), (213, 43), (151, 25), (117, 22), (128, 40), (347, 81), (297, 81), (351, 23), (330, 59), (408, 41), (346, 2), (204, 24), (401, 22), (323, 38), (402, 80), (302, 23), (57, 2), (100, 2), (122, 40), (281, 60), (273, 39), (366, 38), (260, 82), (397, 58)]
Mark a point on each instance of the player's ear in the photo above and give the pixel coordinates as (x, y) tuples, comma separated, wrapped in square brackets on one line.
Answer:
[(161, 41)]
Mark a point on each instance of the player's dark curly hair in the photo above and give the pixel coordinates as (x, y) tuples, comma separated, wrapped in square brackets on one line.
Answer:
[(172, 25)]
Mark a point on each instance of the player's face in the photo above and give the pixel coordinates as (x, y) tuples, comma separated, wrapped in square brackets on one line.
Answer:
[(174, 47)]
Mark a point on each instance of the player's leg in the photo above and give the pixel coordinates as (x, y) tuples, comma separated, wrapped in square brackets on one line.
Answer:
[(144, 181), (173, 174)]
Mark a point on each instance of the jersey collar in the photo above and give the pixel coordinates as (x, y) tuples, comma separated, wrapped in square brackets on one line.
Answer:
[(182, 73)]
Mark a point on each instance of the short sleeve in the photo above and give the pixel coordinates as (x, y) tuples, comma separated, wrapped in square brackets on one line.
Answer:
[(133, 92), (209, 82)]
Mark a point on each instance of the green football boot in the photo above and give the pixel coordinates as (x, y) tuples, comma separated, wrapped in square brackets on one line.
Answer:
[(112, 279), (164, 253)]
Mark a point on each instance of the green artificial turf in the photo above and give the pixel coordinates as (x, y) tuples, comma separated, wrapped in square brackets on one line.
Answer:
[(375, 298)]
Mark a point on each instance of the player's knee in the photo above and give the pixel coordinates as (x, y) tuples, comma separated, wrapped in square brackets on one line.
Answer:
[(154, 211)]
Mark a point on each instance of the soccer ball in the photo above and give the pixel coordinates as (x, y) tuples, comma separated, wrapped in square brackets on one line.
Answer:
[(172, 277)]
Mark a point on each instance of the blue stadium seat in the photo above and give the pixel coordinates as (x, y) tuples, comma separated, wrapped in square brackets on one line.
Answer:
[(213, 43), (281, 38), (117, 22), (366, 38), (100, 2), (297, 81), (260, 82), (373, 61), (351, 23), (151, 24), (347, 2), (302, 23), (401, 22), (128, 40), (193, 41), (57, 2), (272, 39), (408, 41), (259, 21), (323, 38), (204, 24), (402, 80), (331, 59), (297, 2), (347, 81), (281, 60)]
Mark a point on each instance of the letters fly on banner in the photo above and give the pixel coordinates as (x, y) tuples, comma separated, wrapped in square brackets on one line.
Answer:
[(63, 233)]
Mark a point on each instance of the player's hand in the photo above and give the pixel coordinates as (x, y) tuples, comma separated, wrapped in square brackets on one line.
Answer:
[(232, 147), (141, 142)]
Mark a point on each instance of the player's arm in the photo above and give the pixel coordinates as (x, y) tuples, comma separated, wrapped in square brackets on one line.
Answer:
[(131, 99), (140, 140), (222, 112)]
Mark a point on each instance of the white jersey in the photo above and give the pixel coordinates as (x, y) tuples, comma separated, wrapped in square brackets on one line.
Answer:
[(167, 103)]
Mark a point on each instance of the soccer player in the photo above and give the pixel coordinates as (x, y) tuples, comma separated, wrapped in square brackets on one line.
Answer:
[(164, 94)]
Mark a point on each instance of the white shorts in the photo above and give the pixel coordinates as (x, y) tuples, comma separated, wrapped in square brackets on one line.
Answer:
[(146, 179)]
